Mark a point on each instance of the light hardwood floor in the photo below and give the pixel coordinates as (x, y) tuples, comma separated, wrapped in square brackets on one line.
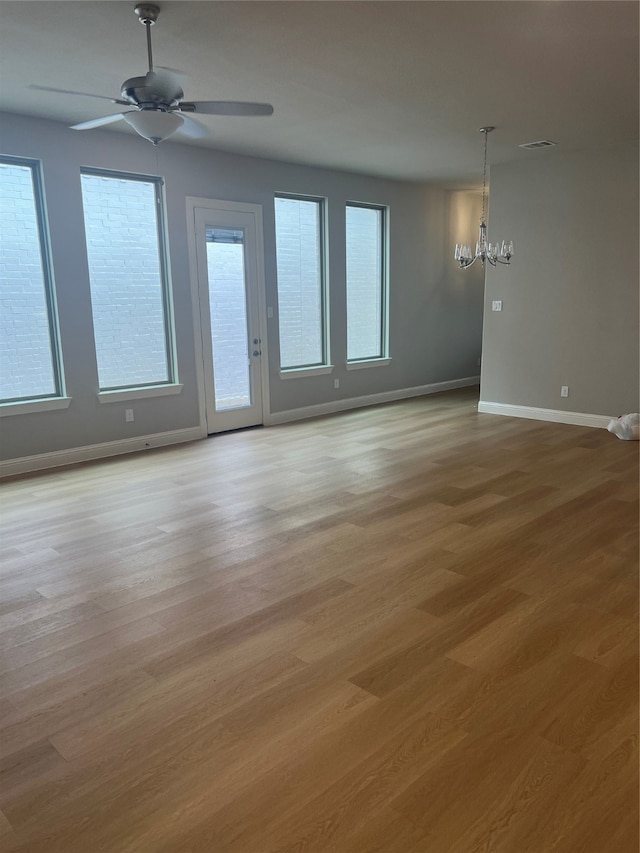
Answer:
[(408, 628)]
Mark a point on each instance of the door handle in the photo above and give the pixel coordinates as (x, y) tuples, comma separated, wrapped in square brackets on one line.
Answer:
[(257, 352)]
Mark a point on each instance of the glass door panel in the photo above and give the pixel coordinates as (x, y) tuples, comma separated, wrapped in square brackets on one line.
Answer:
[(228, 315)]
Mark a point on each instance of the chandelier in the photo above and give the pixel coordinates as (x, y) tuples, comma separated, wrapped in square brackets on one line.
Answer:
[(493, 253)]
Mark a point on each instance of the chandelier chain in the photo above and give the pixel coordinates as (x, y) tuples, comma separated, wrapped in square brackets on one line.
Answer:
[(484, 177)]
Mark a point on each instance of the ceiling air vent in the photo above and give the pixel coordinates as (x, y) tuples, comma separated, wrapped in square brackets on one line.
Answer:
[(542, 143)]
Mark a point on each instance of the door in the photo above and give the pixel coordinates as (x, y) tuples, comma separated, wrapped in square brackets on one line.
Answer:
[(229, 267)]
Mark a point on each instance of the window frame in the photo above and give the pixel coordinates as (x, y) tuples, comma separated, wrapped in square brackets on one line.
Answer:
[(58, 399), (171, 384), (384, 357), (323, 366)]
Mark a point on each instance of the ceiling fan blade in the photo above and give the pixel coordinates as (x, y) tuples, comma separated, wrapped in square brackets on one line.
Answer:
[(165, 82), (226, 108), (177, 73), (71, 92), (98, 122), (193, 128)]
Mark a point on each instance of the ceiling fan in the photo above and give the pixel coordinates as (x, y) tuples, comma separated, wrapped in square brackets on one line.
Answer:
[(160, 108)]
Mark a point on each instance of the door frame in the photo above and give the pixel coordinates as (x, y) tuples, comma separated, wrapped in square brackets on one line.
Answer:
[(219, 206)]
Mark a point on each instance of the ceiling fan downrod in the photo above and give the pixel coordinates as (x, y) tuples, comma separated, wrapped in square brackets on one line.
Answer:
[(148, 14)]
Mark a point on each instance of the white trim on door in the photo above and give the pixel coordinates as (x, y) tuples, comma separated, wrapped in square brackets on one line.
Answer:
[(219, 207)]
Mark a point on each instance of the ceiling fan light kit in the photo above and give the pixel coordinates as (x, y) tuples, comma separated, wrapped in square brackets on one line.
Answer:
[(486, 251), (154, 125), (158, 99)]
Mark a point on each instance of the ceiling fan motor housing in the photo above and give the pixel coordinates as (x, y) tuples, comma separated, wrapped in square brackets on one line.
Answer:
[(136, 91)]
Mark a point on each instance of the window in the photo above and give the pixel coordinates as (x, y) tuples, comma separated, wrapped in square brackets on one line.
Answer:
[(124, 227), (29, 350), (366, 283), (301, 281)]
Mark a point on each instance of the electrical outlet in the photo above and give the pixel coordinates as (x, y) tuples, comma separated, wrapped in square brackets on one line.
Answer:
[(128, 415), (336, 383), (496, 305), (564, 390)]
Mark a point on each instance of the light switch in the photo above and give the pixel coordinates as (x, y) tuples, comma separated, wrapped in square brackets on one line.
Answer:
[(496, 305)]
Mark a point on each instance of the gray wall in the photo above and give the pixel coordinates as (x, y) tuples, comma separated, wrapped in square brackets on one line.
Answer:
[(461, 296), (570, 298), (435, 311)]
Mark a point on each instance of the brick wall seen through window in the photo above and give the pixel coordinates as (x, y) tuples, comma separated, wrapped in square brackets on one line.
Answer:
[(28, 345), (300, 281), (365, 283), (127, 278)]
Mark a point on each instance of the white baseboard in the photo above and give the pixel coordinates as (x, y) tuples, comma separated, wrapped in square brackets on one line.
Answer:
[(57, 458), (368, 400), (554, 415)]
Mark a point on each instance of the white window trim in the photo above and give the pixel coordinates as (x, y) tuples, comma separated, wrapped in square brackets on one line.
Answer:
[(121, 396), (368, 362), (28, 407), (304, 372)]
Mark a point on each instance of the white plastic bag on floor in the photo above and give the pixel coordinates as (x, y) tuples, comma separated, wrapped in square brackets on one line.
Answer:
[(626, 427)]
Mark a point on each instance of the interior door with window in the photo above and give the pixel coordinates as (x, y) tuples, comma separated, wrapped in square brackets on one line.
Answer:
[(229, 280)]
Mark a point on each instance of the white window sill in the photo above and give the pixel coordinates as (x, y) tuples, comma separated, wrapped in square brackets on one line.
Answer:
[(370, 362), (28, 407), (302, 372), (126, 394)]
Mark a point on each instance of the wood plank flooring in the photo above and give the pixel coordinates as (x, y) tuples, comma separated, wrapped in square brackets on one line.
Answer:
[(406, 628)]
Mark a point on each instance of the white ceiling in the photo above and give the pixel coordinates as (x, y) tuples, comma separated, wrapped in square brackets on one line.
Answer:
[(387, 88)]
